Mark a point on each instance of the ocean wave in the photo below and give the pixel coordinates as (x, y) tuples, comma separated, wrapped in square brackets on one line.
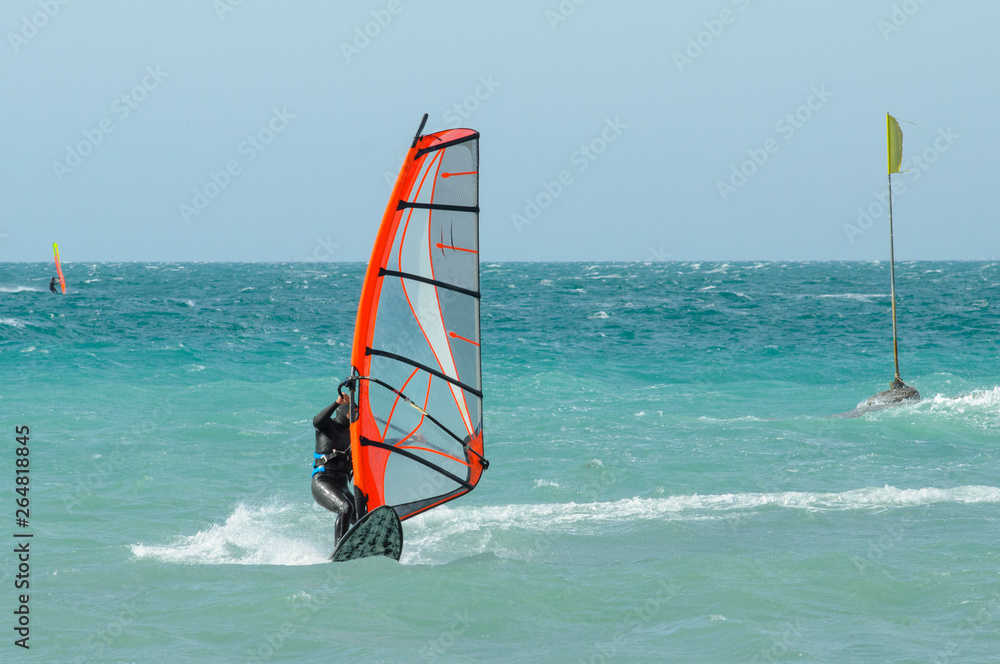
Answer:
[(977, 408), (13, 322), (976, 398), (272, 534), (744, 418), (296, 534), (546, 516), (20, 289), (448, 533), (859, 297)]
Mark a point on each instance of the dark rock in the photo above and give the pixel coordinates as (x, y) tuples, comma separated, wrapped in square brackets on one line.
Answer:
[(897, 393)]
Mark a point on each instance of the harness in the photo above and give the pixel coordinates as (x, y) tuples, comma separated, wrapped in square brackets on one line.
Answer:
[(320, 460)]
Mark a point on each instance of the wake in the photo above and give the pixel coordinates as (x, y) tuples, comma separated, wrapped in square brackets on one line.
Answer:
[(301, 534)]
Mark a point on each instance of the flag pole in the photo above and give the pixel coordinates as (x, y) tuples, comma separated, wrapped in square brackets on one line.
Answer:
[(892, 279), (892, 260), (898, 391)]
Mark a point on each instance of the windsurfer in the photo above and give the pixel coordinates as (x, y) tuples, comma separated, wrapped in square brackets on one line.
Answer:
[(52, 285), (332, 466)]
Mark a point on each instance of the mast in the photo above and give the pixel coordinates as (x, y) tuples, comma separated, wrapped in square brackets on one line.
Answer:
[(416, 138)]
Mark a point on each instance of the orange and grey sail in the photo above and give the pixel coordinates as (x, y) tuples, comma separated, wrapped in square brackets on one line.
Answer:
[(417, 431), (62, 279)]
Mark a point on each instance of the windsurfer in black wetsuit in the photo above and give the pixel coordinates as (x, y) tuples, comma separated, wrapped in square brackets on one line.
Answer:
[(52, 285), (332, 465)]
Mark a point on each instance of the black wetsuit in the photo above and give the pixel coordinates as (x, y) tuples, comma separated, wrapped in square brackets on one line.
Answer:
[(332, 465), (52, 285)]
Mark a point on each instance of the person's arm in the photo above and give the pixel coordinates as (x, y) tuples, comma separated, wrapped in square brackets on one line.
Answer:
[(325, 414)]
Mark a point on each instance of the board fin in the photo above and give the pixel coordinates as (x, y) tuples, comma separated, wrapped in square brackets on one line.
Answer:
[(378, 533)]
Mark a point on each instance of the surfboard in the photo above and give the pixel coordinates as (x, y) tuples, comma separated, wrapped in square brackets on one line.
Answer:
[(378, 533)]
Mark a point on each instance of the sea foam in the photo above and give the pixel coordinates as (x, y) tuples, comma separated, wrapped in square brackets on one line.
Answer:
[(272, 534), (297, 534)]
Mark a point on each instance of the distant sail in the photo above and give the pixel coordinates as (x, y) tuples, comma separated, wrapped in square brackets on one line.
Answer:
[(417, 440), (62, 280)]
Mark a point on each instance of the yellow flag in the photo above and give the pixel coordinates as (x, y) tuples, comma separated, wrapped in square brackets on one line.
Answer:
[(895, 139)]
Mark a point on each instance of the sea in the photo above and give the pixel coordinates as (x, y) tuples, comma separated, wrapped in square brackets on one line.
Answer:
[(667, 481)]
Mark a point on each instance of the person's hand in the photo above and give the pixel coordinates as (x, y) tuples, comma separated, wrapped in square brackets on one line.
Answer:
[(342, 399)]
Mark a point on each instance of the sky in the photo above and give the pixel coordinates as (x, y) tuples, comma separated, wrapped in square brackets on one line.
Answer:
[(718, 130)]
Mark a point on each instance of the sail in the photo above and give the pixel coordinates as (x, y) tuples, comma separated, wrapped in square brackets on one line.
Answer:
[(417, 434), (62, 280)]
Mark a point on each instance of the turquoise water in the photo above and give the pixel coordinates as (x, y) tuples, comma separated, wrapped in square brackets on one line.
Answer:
[(666, 484)]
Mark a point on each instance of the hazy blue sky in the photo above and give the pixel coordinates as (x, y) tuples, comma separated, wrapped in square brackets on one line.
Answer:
[(116, 112)]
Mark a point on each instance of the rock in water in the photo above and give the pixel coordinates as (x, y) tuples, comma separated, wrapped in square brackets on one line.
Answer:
[(898, 392)]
